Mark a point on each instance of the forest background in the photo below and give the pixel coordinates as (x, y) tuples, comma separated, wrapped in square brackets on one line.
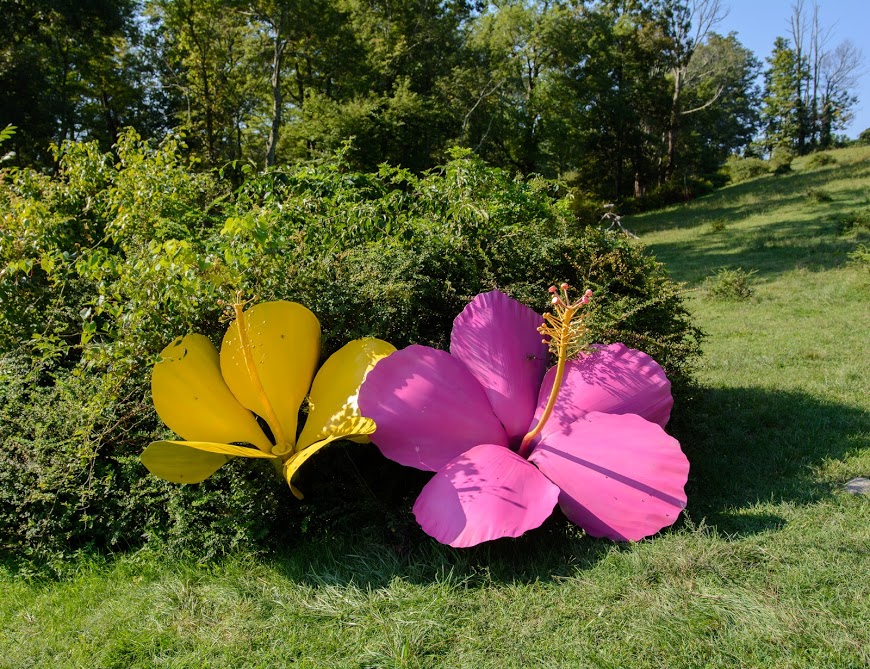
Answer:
[(621, 100)]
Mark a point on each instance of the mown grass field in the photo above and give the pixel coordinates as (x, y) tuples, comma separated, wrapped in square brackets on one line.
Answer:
[(769, 568)]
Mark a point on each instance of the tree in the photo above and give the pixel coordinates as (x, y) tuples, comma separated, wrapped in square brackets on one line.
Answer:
[(685, 26), (838, 78), (780, 106), (809, 87), (723, 69), (205, 49), (68, 71), (513, 42)]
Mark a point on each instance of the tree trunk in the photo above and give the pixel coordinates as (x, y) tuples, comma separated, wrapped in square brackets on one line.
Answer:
[(277, 102), (672, 125)]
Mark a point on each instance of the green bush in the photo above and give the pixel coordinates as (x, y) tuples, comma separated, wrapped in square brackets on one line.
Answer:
[(852, 221), (742, 169), (675, 191), (820, 160), (820, 195), (860, 257), (780, 161), (103, 265), (731, 284)]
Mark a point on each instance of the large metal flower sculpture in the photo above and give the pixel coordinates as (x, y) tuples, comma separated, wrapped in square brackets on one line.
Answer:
[(264, 370), (508, 439)]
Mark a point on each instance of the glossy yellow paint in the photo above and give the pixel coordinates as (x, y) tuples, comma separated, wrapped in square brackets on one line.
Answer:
[(192, 461), (333, 407), (193, 400), (358, 427), (283, 345), (265, 366)]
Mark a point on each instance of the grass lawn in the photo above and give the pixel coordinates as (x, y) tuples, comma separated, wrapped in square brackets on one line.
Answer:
[(770, 566)]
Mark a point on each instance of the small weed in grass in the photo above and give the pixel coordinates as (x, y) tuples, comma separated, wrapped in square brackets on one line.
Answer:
[(730, 284), (717, 226), (853, 221), (819, 195), (860, 256)]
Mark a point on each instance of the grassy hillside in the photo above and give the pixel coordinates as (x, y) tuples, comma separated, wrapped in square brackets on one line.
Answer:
[(768, 568)]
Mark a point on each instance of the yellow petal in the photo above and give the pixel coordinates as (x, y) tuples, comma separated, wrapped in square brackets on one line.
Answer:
[(272, 374), (333, 405), (191, 461), (359, 426), (191, 397)]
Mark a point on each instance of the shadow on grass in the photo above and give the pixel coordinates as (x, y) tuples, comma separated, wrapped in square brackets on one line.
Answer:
[(748, 447), (815, 245), (755, 198), (750, 450), (812, 240)]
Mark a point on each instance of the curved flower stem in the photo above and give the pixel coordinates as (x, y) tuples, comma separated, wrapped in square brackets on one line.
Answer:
[(551, 401), (563, 335), (271, 418)]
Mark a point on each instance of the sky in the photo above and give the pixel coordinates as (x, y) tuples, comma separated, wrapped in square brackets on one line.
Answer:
[(759, 22)]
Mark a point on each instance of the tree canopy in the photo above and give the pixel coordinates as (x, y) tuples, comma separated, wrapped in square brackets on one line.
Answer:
[(618, 98)]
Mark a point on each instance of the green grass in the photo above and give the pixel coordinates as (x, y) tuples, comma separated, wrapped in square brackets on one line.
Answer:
[(768, 569)]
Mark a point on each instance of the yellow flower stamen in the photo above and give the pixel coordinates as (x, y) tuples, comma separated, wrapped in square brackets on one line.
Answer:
[(567, 336)]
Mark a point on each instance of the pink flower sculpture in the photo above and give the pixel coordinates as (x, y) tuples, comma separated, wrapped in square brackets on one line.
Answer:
[(508, 439)]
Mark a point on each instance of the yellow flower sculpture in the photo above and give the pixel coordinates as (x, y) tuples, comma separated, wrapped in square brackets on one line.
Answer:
[(264, 369)]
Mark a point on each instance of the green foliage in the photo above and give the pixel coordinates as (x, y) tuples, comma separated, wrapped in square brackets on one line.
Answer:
[(534, 87), (820, 159), (741, 169), (731, 284), (853, 221), (65, 73), (780, 161), (105, 264), (782, 112), (5, 134), (861, 256), (819, 195), (671, 192)]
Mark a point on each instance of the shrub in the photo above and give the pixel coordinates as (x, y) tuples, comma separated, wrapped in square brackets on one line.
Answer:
[(819, 195), (103, 265), (671, 192), (860, 257), (780, 161), (820, 160), (730, 284), (742, 169), (853, 221)]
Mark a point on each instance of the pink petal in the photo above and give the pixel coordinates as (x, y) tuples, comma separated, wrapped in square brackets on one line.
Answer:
[(498, 340), (621, 476), (614, 379), (487, 493), (428, 408)]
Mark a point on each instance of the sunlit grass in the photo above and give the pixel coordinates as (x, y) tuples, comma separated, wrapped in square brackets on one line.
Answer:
[(769, 568)]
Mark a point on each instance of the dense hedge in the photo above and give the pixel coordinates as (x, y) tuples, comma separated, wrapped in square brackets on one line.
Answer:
[(105, 262)]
